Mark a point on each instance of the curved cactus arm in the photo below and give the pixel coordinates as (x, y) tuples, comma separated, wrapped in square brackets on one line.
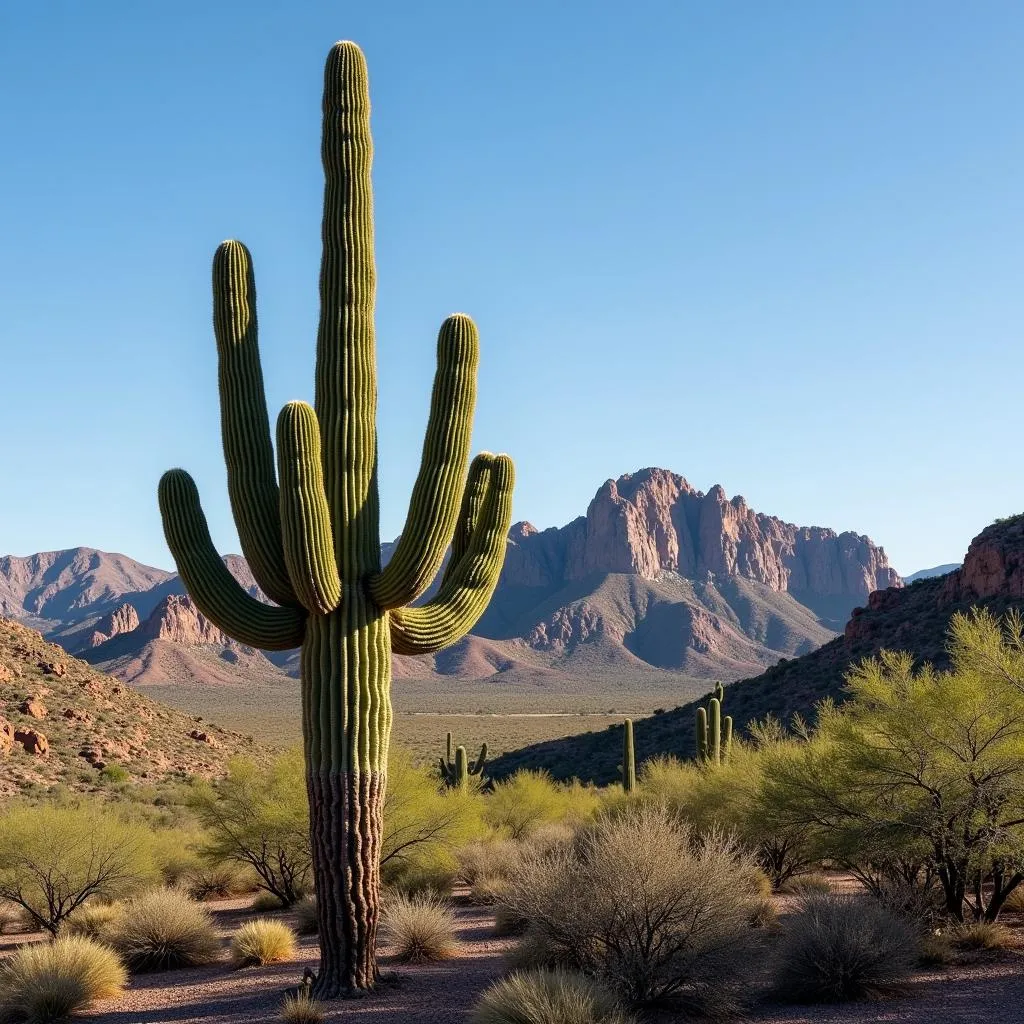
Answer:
[(477, 767), (436, 497), (463, 597), (305, 518), (215, 591), (469, 514), (245, 427)]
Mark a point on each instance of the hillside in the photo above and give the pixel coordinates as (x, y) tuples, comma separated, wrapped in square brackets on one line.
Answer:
[(936, 570), (656, 578), (913, 618), (61, 721)]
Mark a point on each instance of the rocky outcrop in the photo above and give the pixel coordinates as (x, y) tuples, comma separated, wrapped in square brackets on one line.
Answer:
[(33, 741), (176, 618), (652, 521), (993, 566), (122, 619), (33, 707), (6, 737)]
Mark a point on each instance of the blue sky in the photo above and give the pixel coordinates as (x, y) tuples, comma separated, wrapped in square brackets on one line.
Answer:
[(773, 245)]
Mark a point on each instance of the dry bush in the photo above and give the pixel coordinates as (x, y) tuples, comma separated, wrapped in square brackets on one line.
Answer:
[(488, 858), (218, 881), (92, 920), (305, 916), (812, 883), (301, 1009), (641, 904), (974, 935), (432, 872), (507, 922), (12, 918), (261, 942), (839, 947), (266, 903), (164, 929), (420, 928), (52, 981), (935, 948), (548, 997)]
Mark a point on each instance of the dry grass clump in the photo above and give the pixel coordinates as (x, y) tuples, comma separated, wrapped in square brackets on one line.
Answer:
[(488, 859), (92, 920), (301, 1009), (935, 948), (164, 929), (52, 981), (977, 935), (814, 882), (218, 881), (266, 903), (548, 997), (638, 901), (420, 928), (306, 921), (839, 947), (261, 942)]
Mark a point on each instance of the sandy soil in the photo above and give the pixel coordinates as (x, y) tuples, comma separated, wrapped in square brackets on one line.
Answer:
[(990, 990)]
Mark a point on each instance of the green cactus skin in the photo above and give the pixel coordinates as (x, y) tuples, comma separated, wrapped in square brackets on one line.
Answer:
[(702, 734), (713, 731), (456, 772), (628, 758), (310, 532), (726, 737)]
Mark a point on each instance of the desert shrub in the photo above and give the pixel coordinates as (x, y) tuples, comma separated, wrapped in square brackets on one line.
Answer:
[(55, 858), (807, 885), (521, 804), (420, 928), (218, 881), (935, 948), (262, 942), (301, 1009), (176, 854), (488, 858), (52, 981), (977, 935), (164, 929), (507, 922), (305, 916), (645, 906), (549, 837), (91, 920), (548, 997), (266, 903), (258, 817), (12, 918), (839, 947)]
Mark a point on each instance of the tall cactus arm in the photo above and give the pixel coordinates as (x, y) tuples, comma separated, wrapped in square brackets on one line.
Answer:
[(469, 514), (305, 518), (463, 597), (245, 427), (436, 497), (215, 591)]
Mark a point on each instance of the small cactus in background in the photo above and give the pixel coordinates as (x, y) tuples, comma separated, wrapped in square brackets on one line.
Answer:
[(456, 769), (628, 758), (713, 732)]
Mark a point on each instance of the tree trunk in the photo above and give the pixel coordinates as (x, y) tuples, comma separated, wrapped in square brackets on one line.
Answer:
[(346, 678)]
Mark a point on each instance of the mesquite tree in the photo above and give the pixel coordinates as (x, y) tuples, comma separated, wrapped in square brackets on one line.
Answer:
[(310, 534)]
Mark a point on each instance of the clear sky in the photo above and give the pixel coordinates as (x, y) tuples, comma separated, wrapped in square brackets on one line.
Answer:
[(772, 244)]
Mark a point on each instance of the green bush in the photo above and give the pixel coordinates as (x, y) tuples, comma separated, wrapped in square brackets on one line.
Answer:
[(645, 905), (45, 982), (262, 942), (420, 929), (92, 920), (164, 929), (524, 802), (53, 859), (839, 947), (548, 997)]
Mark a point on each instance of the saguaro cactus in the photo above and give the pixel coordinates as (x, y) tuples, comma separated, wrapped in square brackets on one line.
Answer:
[(628, 758), (311, 534), (456, 769), (713, 732)]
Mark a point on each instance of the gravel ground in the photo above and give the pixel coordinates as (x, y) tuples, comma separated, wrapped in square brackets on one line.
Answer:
[(988, 991)]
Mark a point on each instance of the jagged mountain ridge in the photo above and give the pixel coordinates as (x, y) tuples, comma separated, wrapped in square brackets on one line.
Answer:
[(913, 618), (657, 576)]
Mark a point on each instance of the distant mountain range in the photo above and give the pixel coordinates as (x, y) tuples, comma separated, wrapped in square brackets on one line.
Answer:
[(913, 618), (656, 577), (926, 574)]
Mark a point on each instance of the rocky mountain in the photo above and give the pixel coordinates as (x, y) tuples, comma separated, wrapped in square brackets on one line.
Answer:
[(656, 577), (61, 721), (937, 570), (913, 618)]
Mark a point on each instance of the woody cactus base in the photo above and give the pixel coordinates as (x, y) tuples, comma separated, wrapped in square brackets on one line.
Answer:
[(310, 531)]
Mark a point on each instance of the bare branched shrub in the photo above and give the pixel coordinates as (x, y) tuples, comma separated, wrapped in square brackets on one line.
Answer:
[(548, 997), (839, 947), (641, 904)]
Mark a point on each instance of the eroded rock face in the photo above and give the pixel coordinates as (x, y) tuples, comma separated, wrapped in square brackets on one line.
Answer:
[(178, 619), (33, 707), (33, 741), (121, 620), (6, 737), (651, 521), (993, 565)]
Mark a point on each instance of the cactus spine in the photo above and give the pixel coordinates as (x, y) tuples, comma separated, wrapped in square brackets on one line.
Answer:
[(310, 531), (628, 758), (713, 731), (456, 772)]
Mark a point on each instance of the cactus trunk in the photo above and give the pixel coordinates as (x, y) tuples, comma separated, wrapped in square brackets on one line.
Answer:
[(628, 758)]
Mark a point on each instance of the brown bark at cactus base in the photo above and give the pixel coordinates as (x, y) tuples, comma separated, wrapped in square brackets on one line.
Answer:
[(346, 811)]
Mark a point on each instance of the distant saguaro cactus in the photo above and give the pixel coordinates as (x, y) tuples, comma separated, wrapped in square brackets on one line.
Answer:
[(713, 732), (456, 769), (628, 758), (311, 535)]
